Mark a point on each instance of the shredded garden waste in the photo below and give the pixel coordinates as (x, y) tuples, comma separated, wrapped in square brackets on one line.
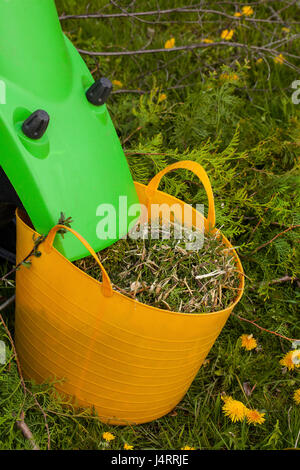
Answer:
[(192, 274)]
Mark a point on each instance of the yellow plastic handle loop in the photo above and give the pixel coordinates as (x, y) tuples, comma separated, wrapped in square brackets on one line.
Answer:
[(48, 245), (203, 177)]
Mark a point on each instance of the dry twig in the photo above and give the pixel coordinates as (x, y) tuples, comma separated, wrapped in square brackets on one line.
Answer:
[(20, 423), (264, 329), (292, 227), (185, 9)]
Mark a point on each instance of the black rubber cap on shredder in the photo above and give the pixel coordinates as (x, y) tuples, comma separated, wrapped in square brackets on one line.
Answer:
[(36, 124), (98, 93)]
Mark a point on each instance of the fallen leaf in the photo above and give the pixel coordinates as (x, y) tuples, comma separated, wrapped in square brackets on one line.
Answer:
[(247, 388), (134, 286)]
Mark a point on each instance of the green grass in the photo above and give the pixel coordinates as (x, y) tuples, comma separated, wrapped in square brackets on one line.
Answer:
[(245, 131)]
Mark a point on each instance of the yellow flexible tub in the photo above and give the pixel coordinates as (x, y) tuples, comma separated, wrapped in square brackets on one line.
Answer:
[(131, 362)]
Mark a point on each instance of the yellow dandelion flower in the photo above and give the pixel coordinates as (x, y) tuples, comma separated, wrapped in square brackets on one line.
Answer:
[(237, 14), (227, 34), (248, 342), (170, 43), (289, 360), (207, 40), (224, 76), (247, 11), (187, 448), (285, 30), (235, 410), (127, 446), (107, 436), (162, 97), (259, 61), (255, 417), (225, 398), (297, 396), (229, 77), (117, 83), (279, 59)]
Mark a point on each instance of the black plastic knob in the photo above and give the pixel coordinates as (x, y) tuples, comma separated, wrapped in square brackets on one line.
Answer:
[(98, 93), (36, 124)]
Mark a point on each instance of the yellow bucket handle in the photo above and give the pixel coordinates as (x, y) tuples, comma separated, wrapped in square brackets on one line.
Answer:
[(202, 175), (48, 246)]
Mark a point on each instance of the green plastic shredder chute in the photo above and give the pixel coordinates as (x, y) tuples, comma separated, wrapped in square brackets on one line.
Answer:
[(78, 163)]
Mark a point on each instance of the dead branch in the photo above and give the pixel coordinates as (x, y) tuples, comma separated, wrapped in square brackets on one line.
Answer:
[(40, 240), (189, 47), (274, 238), (186, 9), (20, 423), (7, 303), (201, 45), (263, 329), (284, 279)]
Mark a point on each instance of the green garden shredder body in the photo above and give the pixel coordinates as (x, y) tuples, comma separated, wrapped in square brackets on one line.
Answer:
[(59, 148)]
